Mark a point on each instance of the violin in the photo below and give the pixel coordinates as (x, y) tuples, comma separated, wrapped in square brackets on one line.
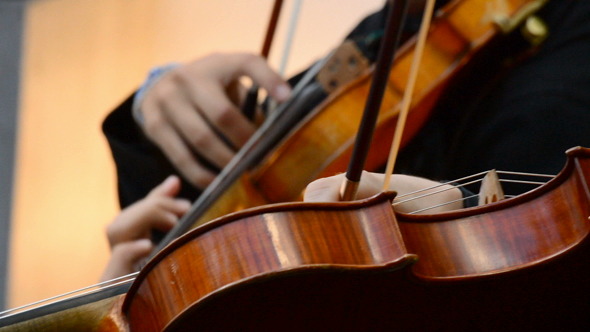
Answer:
[(110, 303), (520, 263)]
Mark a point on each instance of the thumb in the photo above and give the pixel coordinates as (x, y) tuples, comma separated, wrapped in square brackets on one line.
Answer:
[(323, 190), (124, 257)]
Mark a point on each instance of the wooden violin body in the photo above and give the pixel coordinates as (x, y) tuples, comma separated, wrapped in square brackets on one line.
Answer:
[(515, 264)]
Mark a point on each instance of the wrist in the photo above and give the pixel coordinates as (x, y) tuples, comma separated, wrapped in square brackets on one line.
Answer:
[(154, 75)]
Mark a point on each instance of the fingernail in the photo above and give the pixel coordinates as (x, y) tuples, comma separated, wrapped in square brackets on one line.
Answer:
[(185, 204), (282, 92), (144, 243), (169, 179)]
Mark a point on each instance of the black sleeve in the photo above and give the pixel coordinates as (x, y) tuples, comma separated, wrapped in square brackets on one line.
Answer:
[(140, 164)]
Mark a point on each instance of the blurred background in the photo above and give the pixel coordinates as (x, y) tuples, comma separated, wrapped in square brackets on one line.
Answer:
[(63, 65)]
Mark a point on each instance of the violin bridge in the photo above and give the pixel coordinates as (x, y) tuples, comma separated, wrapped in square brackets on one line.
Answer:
[(491, 190)]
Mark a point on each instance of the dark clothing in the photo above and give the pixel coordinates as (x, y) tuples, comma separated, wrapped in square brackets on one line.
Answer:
[(523, 120), (141, 166)]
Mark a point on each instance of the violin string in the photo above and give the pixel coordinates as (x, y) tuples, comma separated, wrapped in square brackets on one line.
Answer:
[(521, 181), (526, 174), (463, 182), (76, 293), (457, 183), (442, 204), (454, 185), (430, 193)]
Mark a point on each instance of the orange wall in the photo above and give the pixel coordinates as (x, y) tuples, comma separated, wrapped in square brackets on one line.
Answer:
[(80, 59)]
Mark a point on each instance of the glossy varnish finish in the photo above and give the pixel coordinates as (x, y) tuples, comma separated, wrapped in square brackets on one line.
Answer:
[(504, 236), (516, 264), (262, 242)]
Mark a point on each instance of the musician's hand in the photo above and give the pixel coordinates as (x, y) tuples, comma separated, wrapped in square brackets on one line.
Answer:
[(328, 190), (129, 234), (194, 109)]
